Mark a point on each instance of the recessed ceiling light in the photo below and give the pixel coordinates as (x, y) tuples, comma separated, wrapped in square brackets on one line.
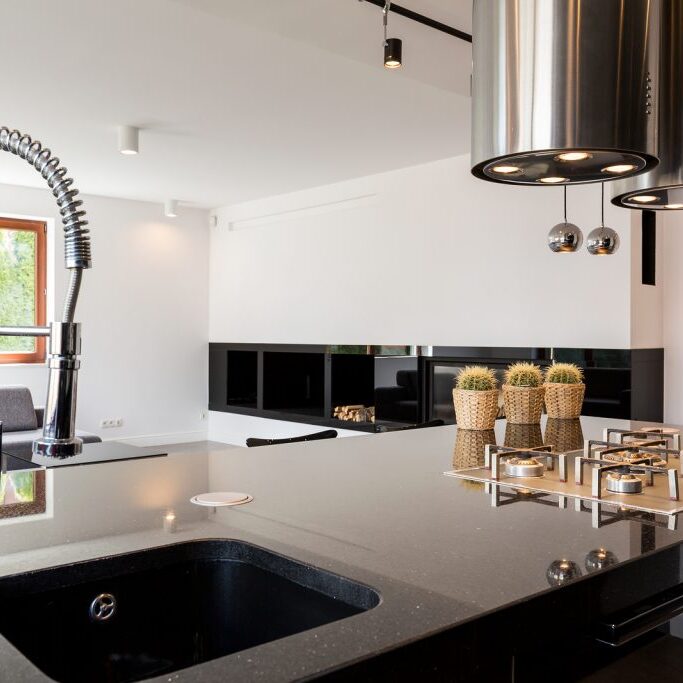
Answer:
[(171, 208), (552, 179), (129, 139), (573, 156), (506, 169), (644, 198), (673, 206), (619, 168)]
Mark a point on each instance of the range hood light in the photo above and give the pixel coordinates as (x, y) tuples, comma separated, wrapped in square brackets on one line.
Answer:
[(506, 169), (552, 180), (673, 206), (619, 168), (540, 104), (644, 198), (572, 156)]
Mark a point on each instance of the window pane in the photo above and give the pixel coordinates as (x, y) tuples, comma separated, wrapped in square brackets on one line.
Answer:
[(17, 286)]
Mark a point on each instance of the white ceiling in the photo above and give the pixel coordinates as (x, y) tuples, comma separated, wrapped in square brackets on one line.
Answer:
[(237, 99)]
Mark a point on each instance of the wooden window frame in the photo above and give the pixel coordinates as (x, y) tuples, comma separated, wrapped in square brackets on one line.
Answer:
[(40, 230)]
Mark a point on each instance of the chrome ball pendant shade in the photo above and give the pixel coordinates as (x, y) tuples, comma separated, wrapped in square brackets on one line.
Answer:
[(554, 91), (602, 241), (565, 237)]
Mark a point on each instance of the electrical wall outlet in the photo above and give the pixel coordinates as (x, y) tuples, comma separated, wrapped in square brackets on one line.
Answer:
[(111, 422)]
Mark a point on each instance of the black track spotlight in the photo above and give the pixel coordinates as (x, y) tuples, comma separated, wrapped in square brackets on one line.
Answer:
[(392, 53), (393, 47)]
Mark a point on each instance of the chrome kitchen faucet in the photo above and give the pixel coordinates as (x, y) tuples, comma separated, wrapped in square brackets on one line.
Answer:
[(59, 439)]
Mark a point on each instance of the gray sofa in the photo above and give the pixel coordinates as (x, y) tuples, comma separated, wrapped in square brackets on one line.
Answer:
[(22, 422)]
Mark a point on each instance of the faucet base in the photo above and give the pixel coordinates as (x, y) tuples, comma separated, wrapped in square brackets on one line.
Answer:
[(58, 448)]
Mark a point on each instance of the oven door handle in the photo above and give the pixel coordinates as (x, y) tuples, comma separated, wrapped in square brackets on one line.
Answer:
[(630, 623)]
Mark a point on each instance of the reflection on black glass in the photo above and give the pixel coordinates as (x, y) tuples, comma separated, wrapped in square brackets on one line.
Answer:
[(22, 493)]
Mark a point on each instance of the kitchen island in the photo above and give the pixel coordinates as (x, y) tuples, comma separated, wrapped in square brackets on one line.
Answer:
[(464, 583)]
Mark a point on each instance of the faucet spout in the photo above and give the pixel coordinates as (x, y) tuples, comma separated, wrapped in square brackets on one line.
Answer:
[(59, 428)]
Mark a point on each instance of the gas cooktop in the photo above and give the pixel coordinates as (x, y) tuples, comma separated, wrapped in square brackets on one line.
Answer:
[(630, 470)]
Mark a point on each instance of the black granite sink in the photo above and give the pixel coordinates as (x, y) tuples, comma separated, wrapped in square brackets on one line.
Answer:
[(143, 614)]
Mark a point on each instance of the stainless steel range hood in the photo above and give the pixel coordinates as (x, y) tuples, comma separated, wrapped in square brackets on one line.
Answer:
[(662, 188), (560, 90)]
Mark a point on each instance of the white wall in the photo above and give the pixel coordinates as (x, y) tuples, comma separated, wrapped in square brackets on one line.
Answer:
[(647, 301), (423, 255), (672, 319), (144, 310)]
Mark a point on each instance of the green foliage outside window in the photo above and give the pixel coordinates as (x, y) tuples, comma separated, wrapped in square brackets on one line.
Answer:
[(17, 286)]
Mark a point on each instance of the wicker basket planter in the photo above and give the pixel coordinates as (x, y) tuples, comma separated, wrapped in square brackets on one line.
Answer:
[(564, 435), (523, 435), (475, 409), (564, 401), (523, 405), (469, 447)]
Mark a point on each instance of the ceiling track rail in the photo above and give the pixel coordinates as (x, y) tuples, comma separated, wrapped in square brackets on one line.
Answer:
[(422, 19)]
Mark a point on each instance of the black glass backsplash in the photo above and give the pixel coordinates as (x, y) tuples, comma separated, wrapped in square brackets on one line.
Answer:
[(304, 382)]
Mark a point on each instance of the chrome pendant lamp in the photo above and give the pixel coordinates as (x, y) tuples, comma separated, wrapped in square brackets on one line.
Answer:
[(565, 238), (662, 187), (602, 241), (555, 89)]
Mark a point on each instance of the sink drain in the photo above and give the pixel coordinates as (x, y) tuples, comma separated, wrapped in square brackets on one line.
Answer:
[(102, 608)]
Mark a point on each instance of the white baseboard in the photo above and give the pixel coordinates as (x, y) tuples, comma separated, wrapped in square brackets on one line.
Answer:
[(162, 439)]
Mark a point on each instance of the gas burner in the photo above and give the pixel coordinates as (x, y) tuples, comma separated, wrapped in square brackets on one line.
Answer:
[(632, 458), (652, 453), (624, 483), (622, 456), (524, 463), (665, 436), (524, 467)]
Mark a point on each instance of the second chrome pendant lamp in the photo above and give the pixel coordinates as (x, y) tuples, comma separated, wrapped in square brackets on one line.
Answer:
[(553, 91)]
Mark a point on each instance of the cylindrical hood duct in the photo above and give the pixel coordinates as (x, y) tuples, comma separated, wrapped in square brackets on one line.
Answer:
[(559, 90), (662, 188)]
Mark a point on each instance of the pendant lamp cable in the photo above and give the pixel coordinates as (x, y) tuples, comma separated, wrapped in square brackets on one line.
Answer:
[(565, 203), (602, 205)]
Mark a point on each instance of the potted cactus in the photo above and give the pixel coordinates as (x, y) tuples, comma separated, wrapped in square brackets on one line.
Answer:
[(475, 398), (564, 390), (523, 393)]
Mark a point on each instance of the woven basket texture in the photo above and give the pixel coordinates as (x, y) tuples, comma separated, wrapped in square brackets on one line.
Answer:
[(523, 405), (564, 435), (523, 436), (469, 447), (564, 401), (475, 409)]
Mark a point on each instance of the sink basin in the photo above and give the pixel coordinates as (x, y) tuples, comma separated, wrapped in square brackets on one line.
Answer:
[(142, 614)]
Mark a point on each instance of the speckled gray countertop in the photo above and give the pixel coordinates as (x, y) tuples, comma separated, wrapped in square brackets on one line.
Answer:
[(374, 508)]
